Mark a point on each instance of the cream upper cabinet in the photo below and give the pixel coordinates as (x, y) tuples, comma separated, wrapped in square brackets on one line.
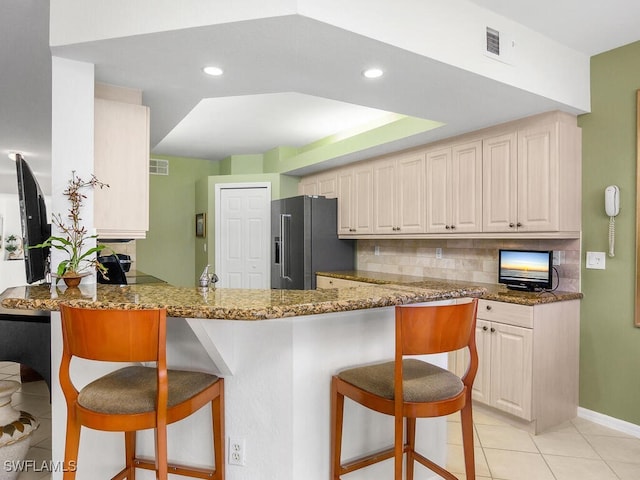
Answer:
[(398, 194), (308, 185), (327, 184), (454, 188), (531, 179), (500, 176), (324, 184), (121, 159), (520, 179), (355, 199)]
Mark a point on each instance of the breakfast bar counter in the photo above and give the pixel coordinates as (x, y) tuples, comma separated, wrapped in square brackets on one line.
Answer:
[(276, 349), (233, 304)]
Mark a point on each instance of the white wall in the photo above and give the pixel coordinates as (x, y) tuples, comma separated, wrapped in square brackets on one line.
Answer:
[(453, 32), (76, 21), (448, 31), (71, 137), (11, 271)]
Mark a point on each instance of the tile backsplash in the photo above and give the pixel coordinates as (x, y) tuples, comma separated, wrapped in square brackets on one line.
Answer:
[(473, 260)]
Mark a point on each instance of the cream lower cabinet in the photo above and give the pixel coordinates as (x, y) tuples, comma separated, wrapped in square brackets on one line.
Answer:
[(121, 160), (528, 361)]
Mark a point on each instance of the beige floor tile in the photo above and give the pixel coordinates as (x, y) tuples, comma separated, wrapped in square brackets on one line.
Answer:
[(455, 460), (510, 465), (564, 443), (454, 434), (626, 471), (618, 449), (481, 417), (505, 438), (571, 468), (589, 428)]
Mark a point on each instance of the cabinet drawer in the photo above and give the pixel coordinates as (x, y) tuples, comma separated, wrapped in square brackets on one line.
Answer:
[(509, 313)]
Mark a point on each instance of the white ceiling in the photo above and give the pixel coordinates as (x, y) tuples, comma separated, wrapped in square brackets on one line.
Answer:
[(276, 91)]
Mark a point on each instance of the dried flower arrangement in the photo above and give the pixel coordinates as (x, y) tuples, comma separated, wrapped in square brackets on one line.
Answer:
[(74, 234)]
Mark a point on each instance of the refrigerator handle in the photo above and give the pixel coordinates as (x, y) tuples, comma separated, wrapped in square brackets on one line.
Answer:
[(285, 220)]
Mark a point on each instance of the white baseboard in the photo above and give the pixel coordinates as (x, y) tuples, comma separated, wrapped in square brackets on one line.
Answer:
[(610, 422)]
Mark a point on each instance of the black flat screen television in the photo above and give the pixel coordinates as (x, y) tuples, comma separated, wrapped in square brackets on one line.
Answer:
[(35, 224), (525, 269)]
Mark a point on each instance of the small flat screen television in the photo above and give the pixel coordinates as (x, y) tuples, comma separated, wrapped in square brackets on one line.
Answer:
[(529, 270), (35, 224)]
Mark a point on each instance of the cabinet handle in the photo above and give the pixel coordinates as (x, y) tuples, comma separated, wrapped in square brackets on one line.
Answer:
[(447, 227), (518, 224), (453, 227), (511, 225), (493, 330), (485, 328), (489, 307)]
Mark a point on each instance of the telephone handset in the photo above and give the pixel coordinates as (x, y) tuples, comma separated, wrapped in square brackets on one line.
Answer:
[(612, 208)]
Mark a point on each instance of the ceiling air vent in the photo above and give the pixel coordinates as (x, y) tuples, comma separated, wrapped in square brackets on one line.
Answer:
[(158, 166), (493, 41)]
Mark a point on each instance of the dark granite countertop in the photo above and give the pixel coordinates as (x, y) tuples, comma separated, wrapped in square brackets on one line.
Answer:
[(496, 292), (229, 303)]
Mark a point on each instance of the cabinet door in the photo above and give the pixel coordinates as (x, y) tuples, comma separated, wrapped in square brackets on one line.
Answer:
[(345, 197), (538, 175), (384, 194), (481, 385), (466, 188), (410, 194), (121, 159), (511, 369), (308, 186), (327, 185), (438, 190), (362, 199), (499, 179)]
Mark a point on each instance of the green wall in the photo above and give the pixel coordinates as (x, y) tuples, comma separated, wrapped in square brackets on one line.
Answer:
[(609, 343), (168, 251), (282, 186)]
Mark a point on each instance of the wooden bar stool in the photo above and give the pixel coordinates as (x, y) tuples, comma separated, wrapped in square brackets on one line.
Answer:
[(411, 388), (134, 397)]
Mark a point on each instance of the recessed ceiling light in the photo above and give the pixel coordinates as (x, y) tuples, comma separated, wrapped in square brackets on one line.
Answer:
[(373, 73), (213, 71)]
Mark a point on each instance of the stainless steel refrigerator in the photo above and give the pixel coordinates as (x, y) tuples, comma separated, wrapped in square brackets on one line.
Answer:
[(304, 234)]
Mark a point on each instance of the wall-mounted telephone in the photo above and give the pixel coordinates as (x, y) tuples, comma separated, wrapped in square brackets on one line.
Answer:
[(612, 208)]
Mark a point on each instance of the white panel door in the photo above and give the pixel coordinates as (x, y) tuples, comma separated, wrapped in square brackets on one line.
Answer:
[(244, 238)]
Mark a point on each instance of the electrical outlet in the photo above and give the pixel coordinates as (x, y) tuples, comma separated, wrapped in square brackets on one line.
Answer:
[(596, 260), (236, 451), (438, 253), (558, 257), (376, 250)]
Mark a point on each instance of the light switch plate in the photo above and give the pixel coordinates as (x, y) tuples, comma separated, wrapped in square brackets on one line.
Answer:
[(596, 260)]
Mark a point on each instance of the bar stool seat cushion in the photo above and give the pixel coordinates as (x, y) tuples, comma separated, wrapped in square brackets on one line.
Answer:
[(132, 390), (422, 381)]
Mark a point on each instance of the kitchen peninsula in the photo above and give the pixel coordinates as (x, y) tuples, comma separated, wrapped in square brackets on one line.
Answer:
[(277, 350)]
